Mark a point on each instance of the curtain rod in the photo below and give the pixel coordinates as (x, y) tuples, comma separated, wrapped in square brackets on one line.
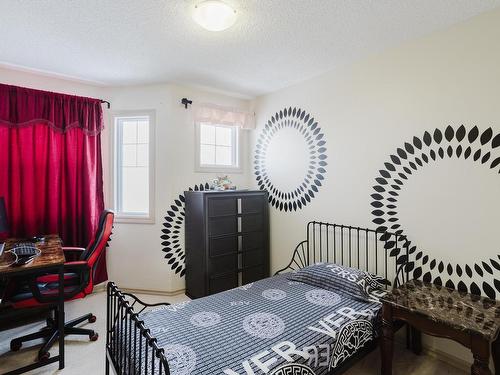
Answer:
[(108, 104)]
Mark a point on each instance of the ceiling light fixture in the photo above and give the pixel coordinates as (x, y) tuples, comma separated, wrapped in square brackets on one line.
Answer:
[(214, 15)]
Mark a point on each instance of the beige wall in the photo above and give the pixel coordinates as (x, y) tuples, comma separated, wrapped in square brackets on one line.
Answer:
[(370, 109)]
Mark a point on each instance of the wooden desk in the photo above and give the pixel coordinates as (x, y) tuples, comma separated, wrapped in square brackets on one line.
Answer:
[(471, 320), (50, 260)]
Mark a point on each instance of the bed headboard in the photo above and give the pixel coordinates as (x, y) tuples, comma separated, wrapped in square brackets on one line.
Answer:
[(382, 253)]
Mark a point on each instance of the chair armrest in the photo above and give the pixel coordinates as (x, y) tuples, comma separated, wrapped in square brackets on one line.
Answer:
[(73, 253), (71, 269), (80, 268)]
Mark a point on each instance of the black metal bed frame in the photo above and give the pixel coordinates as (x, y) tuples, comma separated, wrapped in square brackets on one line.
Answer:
[(382, 253), (125, 328), (354, 247)]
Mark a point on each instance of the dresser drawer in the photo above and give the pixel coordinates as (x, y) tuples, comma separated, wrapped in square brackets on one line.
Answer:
[(252, 241), (222, 206), (253, 274), (251, 223), (253, 258), (222, 225), (223, 264), (251, 205), (221, 283), (222, 245)]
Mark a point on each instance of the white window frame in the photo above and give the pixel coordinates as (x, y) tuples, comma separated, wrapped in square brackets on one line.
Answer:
[(235, 168), (124, 217)]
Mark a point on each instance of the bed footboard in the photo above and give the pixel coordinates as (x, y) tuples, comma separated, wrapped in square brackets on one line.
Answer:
[(130, 347)]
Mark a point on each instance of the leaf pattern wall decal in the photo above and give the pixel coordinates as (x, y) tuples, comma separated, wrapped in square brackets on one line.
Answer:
[(305, 124), (435, 147), (173, 232)]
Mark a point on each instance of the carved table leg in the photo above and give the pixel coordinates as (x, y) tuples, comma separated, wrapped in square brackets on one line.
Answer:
[(481, 351), (495, 349), (387, 340)]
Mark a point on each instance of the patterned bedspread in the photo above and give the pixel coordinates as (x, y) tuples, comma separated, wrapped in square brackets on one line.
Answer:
[(273, 326)]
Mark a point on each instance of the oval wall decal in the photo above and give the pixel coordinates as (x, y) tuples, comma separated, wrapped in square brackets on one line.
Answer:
[(408, 161), (290, 159), (173, 232)]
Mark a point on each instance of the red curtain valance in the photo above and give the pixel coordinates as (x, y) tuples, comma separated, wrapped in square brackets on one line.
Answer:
[(21, 106)]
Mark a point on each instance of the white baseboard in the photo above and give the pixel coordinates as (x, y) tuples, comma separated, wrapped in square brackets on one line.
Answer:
[(440, 355), (447, 358), (102, 288), (154, 292)]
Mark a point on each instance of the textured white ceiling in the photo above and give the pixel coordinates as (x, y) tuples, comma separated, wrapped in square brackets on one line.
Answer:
[(274, 43)]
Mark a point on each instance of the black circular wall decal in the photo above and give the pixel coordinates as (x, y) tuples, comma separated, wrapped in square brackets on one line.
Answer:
[(305, 124), (461, 143), (173, 230)]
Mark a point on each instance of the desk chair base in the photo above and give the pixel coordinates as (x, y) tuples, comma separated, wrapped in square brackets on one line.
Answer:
[(50, 334)]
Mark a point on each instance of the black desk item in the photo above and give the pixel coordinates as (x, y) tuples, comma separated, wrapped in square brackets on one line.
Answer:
[(227, 240), (23, 253), (25, 249)]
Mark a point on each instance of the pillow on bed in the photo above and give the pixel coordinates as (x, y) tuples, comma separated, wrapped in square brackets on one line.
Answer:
[(358, 284)]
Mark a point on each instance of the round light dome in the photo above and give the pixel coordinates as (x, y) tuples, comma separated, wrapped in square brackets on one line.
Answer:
[(214, 15)]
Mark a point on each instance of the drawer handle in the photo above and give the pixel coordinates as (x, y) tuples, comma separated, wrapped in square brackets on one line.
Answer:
[(239, 205)]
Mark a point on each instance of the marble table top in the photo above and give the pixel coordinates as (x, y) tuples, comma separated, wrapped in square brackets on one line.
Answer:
[(461, 311)]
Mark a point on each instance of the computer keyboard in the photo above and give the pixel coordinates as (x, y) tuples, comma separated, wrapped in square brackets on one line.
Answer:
[(24, 249)]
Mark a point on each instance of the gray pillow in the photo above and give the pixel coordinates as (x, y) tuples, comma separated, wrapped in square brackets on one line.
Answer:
[(353, 282)]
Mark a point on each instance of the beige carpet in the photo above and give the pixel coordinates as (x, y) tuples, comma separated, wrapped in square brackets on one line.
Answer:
[(84, 357)]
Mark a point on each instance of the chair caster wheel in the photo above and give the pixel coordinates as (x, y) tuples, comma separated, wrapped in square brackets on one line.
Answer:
[(94, 336), (44, 356), (15, 346), (92, 319)]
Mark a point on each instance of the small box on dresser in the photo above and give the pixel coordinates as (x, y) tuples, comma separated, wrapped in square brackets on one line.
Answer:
[(227, 240)]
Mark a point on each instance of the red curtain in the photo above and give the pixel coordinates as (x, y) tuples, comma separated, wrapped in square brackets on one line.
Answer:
[(50, 165)]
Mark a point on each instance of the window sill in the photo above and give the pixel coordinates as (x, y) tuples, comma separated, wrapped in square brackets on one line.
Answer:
[(130, 219)]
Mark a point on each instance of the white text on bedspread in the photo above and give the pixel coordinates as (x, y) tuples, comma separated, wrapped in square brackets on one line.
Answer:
[(289, 352)]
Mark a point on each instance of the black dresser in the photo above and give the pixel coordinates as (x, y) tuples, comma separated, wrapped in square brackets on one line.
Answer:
[(227, 240)]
